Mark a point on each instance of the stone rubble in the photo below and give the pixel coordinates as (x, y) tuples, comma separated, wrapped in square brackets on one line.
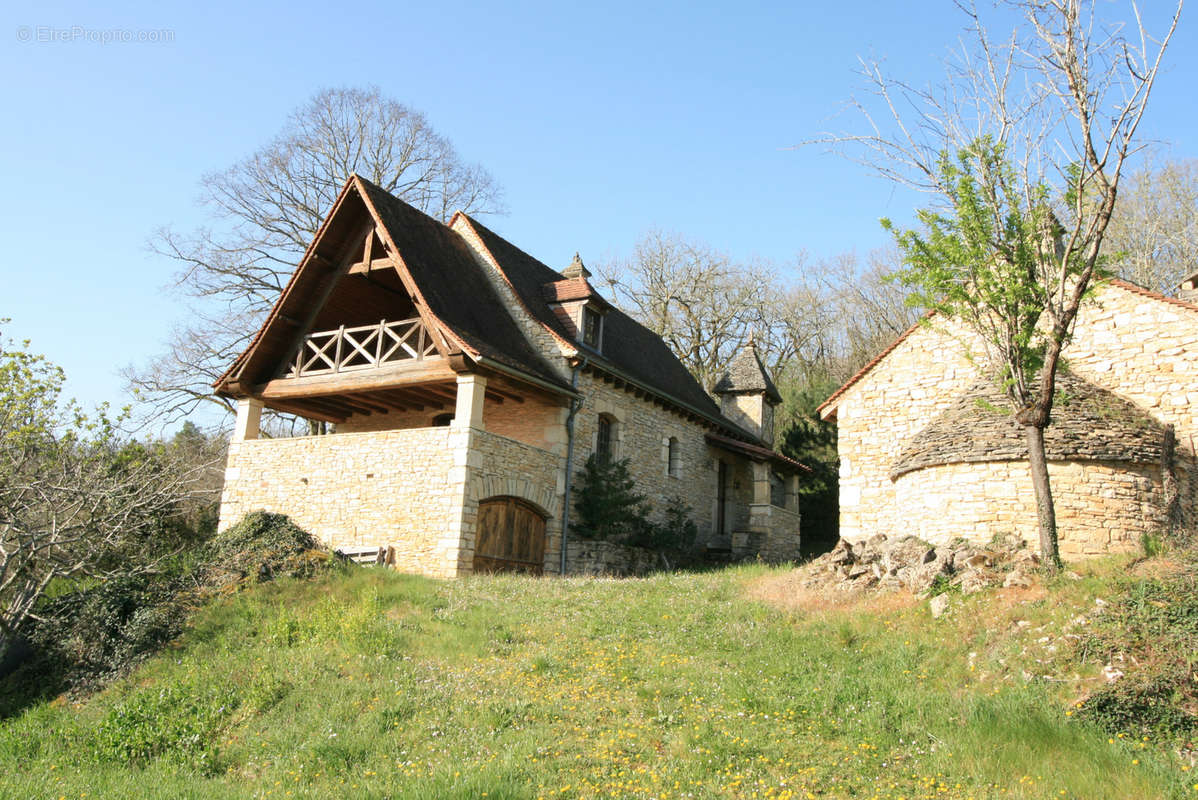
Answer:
[(881, 563)]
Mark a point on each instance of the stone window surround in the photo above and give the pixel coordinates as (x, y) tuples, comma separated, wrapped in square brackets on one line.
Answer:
[(671, 454)]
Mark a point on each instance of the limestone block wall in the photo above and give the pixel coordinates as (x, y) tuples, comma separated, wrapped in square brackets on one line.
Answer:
[(353, 489), (501, 466), (751, 412), (878, 415), (1101, 506), (592, 557), (1142, 349), (641, 434), (781, 525), (1136, 346)]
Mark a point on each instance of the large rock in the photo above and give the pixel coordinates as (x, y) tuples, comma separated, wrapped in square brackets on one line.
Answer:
[(909, 551)]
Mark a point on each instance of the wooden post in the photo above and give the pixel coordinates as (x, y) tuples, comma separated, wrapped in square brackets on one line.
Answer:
[(249, 414), (471, 396), (337, 357)]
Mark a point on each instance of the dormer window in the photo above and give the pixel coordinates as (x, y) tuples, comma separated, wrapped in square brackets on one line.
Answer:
[(592, 327)]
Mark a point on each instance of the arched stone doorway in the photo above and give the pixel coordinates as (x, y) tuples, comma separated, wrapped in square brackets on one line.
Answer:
[(510, 536)]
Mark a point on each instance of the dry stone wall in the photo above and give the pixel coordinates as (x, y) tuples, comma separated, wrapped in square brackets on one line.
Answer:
[(353, 490), (1133, 345), (1102, 507)]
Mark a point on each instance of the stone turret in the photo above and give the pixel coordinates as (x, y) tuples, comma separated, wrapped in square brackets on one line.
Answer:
[(747, 395)]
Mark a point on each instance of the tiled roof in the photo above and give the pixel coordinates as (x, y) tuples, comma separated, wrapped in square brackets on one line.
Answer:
[(628, 346), (571, 289), (756, 452)]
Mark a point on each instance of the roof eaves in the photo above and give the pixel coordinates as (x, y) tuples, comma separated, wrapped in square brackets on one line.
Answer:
[(598, 362), (274, 311), (755, 451)]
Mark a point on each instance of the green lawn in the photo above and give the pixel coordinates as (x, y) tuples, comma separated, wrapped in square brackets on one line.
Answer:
[(373, 684)]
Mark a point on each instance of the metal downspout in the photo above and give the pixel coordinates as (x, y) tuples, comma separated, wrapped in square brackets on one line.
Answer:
[(575, 404)]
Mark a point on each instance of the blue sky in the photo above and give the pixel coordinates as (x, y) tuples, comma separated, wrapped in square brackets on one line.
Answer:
[(600, 120)]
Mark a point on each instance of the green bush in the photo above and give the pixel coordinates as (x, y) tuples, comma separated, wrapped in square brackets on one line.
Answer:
[(609, 509), (607, 504), (1156, 623), (83, 638), (177, 722), (263, 546)]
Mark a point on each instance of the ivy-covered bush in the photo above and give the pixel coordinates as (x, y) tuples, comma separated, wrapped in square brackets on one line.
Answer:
[(83, 638)]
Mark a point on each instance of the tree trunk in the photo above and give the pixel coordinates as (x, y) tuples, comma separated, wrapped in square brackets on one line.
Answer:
[(1045, 512)]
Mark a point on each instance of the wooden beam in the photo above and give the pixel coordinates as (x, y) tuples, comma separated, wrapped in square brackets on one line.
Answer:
[(436, 393), (362, 267), (303, 411), (391, 377), (493, 396), (359, 399), (335, 405), (389, 402)]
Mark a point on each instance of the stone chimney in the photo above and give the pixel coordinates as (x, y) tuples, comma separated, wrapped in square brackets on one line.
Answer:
[(748, 395), (1188, 289)]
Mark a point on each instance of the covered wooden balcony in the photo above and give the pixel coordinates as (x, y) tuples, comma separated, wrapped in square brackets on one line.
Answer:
[(363, 347)]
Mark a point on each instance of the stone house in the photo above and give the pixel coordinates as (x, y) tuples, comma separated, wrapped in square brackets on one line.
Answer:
[(928, 447), (467, 383)]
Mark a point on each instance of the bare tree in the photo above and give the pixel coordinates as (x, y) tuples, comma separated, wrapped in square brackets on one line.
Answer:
[(1153, 236), (702, 303), (75, 497), (268, 207), (1024, 145)]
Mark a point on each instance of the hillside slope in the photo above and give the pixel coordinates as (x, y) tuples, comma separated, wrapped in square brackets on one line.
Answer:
[(690, 685)]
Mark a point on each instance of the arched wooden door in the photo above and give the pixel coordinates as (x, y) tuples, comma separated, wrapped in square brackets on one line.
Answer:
[(510, 537)]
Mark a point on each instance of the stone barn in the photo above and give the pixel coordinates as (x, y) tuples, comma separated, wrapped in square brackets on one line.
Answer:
[(928, 447), (466, 384)]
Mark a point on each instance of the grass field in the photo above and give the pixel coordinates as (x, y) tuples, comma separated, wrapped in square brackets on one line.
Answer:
[(723, 684)]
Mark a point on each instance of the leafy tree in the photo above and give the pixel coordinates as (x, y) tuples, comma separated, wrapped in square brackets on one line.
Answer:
[(269, 206), (1024, 146), (76, 498), (812, 441)]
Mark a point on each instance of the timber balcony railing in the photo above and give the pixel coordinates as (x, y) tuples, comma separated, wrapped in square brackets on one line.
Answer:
[(364, 347)]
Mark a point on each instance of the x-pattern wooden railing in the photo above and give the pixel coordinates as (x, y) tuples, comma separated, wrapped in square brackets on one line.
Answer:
[(363, 347)]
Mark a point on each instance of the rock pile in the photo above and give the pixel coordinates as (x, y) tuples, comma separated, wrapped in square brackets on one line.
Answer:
[(890, 564)]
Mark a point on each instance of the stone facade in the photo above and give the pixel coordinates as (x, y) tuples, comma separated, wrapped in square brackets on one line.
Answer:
[(1129, 343), (352, 490), (591, 557), (416, 490), (642, 434), (1101, 507)]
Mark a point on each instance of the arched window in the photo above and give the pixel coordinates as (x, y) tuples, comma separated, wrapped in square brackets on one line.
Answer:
[(604, 436), (674, 463), (442, 420)]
